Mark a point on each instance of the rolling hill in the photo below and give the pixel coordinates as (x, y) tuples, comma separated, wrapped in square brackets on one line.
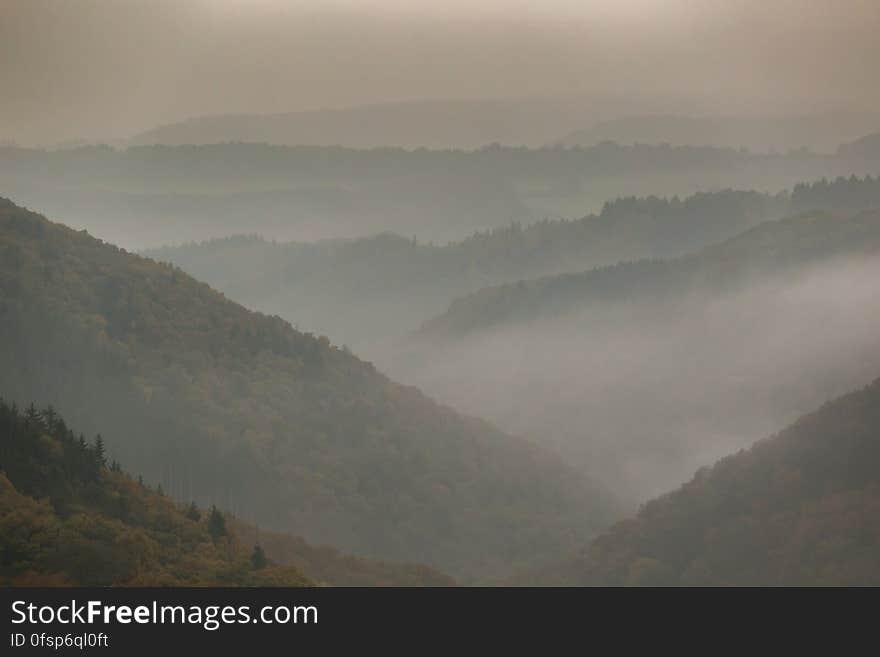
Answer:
[(801, 508), (770, 248), (865, 148), (359, 291), (278, 426), (412, 124)]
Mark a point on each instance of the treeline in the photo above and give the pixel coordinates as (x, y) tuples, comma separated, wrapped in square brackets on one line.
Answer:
[(68, 517), (848, 194)]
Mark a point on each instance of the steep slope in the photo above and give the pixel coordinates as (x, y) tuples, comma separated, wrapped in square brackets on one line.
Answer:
[(66, 518), (230, 405), (800, 508), (769, 248), (359, 291)]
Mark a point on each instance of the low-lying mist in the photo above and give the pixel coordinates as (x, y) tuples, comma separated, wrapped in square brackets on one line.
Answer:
[(639, 395)]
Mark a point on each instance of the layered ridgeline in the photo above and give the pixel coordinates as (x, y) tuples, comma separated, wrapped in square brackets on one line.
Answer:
[(224, 404), (359, 291), (770, 248), (800, 508), (138, 196), (68, 517), (641, 372), (363, 290)]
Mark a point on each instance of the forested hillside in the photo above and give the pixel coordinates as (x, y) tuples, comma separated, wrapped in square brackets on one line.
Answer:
[(61, 495), (800, 508), (275, 424), (769, 248), (70, 517), (359, 291)]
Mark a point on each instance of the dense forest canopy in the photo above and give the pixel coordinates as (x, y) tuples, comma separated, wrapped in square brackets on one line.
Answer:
[(799, 509), (277, 425)]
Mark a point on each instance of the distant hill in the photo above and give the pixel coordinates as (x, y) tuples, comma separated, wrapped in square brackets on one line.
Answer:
[(361, 290), (358, 291), (413, 124), (276, 425), (820, 132), (799, 509), (867, 147), (139, 196), (773, 246), (68, 517)]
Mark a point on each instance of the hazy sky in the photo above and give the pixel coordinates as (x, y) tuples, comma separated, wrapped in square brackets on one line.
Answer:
[(109, 68)]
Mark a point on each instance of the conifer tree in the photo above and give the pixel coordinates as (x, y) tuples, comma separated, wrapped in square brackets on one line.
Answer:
[(193, 512), (258, 558), (216, 523), (100, 451)]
